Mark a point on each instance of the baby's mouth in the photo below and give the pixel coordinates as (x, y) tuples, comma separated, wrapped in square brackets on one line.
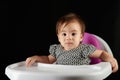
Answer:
[(69, 43)]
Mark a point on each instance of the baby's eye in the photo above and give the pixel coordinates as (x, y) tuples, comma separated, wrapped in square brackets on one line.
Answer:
[(73, 34), (64, 34)]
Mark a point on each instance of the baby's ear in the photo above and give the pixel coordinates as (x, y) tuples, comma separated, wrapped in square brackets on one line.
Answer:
[(58, 37), (81, 37)]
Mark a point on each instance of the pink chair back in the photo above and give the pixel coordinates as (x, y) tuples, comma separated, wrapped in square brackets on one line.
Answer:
[(91, 39)]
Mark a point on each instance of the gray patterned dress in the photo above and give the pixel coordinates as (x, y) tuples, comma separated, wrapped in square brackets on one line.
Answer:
[(77, 56)]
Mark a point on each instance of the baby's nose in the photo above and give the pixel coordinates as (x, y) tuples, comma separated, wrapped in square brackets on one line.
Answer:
[(68, 37)]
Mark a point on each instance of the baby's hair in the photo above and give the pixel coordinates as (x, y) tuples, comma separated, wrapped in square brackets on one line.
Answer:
[(66, 19)]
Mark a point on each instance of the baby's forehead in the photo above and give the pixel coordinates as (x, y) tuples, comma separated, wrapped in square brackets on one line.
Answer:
[(70, 27), (69, 24)]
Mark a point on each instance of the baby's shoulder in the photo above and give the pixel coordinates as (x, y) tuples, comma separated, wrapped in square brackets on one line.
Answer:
[(53, 48), (54, 45), (87, 45)]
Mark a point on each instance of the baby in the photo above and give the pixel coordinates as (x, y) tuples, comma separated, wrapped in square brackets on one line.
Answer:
[(70, 31)]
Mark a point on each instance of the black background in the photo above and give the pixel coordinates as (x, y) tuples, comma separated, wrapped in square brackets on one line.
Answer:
[(33, 27)]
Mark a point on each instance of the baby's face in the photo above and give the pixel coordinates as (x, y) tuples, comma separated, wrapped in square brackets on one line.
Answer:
[(70, 35)]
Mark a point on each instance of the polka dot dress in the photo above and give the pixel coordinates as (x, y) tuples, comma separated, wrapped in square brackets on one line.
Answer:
[(77, 56)]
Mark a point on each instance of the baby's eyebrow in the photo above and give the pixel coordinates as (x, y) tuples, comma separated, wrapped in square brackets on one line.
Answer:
[(70, 31), (63, 31), (73, 31)]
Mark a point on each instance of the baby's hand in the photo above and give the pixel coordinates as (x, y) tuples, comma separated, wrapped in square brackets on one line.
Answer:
[(114, 64), (31, 60)]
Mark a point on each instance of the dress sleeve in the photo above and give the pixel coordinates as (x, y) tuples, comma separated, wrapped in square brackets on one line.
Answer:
[(52, 50), (88, 49)]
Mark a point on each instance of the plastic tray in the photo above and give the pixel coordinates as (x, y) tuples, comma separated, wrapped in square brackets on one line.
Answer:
[(42, 71)]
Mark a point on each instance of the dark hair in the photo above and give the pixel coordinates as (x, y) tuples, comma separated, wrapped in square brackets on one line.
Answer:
[(69, 18)]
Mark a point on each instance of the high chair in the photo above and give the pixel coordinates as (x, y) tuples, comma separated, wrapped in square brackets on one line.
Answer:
[(97, 70)]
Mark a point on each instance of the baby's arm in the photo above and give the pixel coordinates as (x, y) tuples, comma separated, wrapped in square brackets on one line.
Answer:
[(44, 59), (107, 57)]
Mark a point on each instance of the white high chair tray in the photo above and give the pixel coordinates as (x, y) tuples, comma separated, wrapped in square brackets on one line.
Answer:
[(42, 71)]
